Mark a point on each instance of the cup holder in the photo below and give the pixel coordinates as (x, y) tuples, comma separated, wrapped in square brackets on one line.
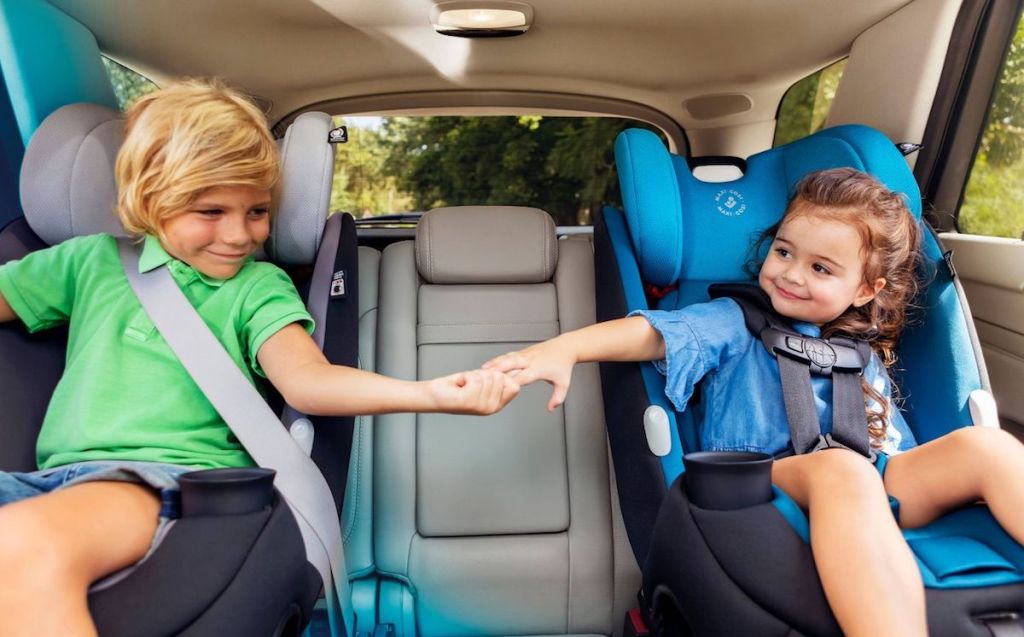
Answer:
[(724, 480), (226, 491)]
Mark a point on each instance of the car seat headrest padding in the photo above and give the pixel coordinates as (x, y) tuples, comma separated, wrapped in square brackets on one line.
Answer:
[(686, 229), (304, 195), (68, 187), (67, 175), (486, 244)]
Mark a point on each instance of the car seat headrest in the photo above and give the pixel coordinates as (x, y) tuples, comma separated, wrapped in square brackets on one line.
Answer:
[(67, 175), (486, 244), (683, 228), (68, 189)]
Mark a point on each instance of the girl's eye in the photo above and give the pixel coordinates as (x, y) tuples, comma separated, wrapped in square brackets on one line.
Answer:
[(782, 252), (210, 212), (820, 269), (259, 212)]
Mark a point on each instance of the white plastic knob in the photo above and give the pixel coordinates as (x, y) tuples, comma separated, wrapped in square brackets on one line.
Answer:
[(657, 429), (302, 433), (982, 406)]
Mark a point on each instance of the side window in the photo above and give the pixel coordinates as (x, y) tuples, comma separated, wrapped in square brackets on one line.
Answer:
[(994, 199), (128, 85), (805, 105)]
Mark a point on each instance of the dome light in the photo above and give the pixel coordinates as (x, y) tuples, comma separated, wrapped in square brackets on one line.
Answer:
[(471, 19)]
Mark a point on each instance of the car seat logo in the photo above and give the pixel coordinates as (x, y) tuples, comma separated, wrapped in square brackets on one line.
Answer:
[(820, 353), (730, 203)]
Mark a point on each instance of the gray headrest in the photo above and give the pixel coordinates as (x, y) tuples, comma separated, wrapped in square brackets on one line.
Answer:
[(486, 244), (305, 193), (67, 175), (68, 189)]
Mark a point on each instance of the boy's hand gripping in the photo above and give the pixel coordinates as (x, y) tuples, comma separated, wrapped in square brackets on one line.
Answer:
[(549, 361), (478, 392)]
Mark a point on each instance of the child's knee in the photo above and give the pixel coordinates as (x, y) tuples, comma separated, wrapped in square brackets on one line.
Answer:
[(986, 442), (844, 473), (30, 547)]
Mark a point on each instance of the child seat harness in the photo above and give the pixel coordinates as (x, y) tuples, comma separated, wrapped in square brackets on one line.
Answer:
[(842, 358)]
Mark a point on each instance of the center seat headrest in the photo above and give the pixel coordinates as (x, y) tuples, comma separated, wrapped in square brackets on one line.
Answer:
[(684, 229), (486, 244), (68, 189)]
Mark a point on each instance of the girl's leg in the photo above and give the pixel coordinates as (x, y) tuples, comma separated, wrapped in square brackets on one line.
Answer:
[(868, 573), (52, 547), (964, 466)]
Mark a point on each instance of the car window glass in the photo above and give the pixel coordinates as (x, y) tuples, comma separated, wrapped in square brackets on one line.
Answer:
[(805, 105), (394, 165), (128, 85), (994, 199)]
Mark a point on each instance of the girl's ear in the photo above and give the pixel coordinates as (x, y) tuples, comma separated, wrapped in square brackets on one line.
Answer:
[(868, 291)]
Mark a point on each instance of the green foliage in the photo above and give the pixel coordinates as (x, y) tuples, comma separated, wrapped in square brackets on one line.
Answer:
[(994, 199), (128, 85), (806, 104), (360, 185), (563, 165)]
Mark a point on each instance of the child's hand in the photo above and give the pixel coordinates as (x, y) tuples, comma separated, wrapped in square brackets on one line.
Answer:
[(548, 361), (479, 392)]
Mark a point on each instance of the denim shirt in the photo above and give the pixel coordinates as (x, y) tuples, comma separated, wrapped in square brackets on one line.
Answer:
[(741, 389)]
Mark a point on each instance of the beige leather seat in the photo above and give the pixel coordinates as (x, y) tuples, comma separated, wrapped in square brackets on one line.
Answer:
[(499, 525)]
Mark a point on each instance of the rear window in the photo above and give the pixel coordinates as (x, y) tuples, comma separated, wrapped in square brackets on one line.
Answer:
[(395, 165)]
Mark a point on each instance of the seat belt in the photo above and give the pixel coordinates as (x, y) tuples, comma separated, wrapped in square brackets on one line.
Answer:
[(254, 424), (799, 356)]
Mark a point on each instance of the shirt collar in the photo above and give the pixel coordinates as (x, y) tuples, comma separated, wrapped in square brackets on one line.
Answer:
[(807, 329), (154, 255)]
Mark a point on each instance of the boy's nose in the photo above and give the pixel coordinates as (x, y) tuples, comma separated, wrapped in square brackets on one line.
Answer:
[(234, 231)]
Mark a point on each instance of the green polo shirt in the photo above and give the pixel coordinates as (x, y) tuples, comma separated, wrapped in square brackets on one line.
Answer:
[(124, 395)]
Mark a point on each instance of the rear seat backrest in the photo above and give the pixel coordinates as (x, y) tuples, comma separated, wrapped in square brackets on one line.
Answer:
[(501, 525)]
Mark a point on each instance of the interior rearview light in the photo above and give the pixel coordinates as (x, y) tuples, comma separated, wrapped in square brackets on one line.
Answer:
[(480, 19)]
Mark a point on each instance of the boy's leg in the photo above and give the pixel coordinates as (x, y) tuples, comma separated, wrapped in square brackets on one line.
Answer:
[(964, 466), (868, 573), (52, 547)]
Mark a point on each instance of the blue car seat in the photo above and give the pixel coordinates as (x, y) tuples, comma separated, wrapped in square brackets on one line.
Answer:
[(750, 571), (244, 573)]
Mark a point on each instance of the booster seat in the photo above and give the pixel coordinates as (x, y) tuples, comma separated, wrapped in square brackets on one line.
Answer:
[(238, 574), (750, 571)]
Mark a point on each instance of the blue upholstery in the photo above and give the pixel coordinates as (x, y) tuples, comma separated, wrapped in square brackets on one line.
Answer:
[(687, 234)]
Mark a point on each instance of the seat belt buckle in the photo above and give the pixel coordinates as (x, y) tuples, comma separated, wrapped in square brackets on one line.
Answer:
[(635, 626)]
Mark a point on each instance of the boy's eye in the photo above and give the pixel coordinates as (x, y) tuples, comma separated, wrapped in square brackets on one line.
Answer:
[(259, 212), (820, 269)]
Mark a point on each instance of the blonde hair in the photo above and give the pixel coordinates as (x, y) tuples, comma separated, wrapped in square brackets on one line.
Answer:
[(184, 139), (891, 240)]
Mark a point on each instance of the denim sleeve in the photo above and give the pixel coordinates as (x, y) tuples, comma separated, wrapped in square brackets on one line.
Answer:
[(699, 339), (898, 436)]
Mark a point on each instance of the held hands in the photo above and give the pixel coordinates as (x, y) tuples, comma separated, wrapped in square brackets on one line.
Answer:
[(477, 392), (549, 361)]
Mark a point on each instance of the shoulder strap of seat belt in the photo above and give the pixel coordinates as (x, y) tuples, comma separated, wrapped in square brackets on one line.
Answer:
[(254, 424)]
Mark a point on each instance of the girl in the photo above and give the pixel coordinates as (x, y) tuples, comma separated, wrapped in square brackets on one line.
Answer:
[(195, 175), (842, 261)]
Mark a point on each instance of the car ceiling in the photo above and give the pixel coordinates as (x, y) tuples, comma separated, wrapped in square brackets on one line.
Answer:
[(658, 53)]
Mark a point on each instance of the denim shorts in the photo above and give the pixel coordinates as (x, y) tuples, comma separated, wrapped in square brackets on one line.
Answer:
[(163, 478)]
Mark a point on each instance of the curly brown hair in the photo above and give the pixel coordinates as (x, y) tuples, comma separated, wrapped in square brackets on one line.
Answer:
[(891, 240)]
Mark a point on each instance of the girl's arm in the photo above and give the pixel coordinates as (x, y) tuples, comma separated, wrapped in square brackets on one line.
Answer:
[(627, 339), (309, 383)]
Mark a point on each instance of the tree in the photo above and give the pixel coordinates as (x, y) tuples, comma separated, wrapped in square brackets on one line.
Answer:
[(560, 164)]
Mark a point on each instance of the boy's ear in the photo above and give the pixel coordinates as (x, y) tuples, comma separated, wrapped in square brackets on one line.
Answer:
[(868, 291)]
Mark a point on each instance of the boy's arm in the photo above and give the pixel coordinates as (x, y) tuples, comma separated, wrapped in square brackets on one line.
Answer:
[(298, 369), (627, 339), (6, 313)]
